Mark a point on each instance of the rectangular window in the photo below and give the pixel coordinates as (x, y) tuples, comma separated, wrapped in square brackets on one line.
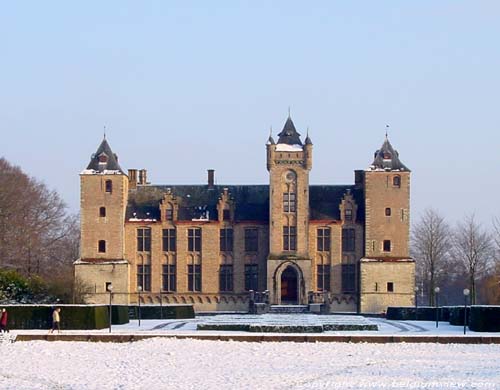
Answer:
[(169, 214), (323, 240), (390, 287), (226, 278), (251, 240), (144, 240), (144, 277), (348, 240), (194, 278), (251, 277), (387, 245), (169, 240), (348, 277), (109, 186), (168, 277), (348, 214), (323, 275), (194, 240), (289, 238), (387, 212), (289, 202), (226, 239), (226, 215), (101, 246)]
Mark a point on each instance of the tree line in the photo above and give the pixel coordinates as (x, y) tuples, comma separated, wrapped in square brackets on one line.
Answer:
[(454, 258)]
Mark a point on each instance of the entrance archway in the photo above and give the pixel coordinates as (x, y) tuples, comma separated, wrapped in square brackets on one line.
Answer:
[(289, 286)]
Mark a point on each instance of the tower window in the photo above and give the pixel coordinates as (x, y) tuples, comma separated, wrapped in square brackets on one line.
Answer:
[(102, 212), (388, 212), (387, 245), (323, 240), (289, 204), (251, 240), (194, 241), (396, 181), (109, 186), (144, 240), (101, 246), (289, 238), (390, 287)]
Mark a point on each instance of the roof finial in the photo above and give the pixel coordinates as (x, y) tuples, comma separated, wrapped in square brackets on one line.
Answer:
[(307, 133), (289, 116), (386, 131), (104, 131), (271, 131)]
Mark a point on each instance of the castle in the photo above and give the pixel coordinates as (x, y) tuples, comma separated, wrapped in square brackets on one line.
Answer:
[(210, 245)]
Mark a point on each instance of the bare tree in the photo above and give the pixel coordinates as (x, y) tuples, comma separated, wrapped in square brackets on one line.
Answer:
[(473, 247), (430, 247), (496, 237)]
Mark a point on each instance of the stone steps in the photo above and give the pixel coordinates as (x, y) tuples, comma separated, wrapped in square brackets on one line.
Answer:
[(289, 309)]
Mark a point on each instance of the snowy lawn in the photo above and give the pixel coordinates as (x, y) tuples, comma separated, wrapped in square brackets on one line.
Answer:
[(194, 364)]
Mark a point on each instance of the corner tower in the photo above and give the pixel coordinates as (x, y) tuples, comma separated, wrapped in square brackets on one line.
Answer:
[(289, 267), (103, 201), (387, 272)]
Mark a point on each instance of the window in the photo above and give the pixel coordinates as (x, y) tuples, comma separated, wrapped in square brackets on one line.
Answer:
[(226, 239), (226, 215), (102, 212), (144, 277), (109, 286), (323, 240), (169, 240), (226, 278), (251, 240), (101, 246), (194, 277), (168, 277), (289, 238), (387, 245), (396, 181), (348, 277), (390, 287), (323, 275), (103, 158), (144, 240), (289, 202), (169, 213), (348, 240), (348, 215), (387, 212), (109, 186), (251, 277), (194, 241)]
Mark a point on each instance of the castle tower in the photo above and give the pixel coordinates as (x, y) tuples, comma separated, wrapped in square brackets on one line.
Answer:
[(103, 201), (387, 272), (289, 266)]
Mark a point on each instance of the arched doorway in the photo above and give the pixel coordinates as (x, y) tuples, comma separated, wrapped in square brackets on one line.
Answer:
[(289, 286)]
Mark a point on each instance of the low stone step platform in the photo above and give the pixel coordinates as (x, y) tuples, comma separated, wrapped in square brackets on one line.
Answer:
[(289, 309)]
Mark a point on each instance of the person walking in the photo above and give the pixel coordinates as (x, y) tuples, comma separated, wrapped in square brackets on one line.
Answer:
[(56, 320), (3, 321)]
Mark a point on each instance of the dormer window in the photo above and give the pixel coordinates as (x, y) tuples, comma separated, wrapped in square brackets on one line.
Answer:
[(348, 215), (387, 156), (169, 212), (103, 159)]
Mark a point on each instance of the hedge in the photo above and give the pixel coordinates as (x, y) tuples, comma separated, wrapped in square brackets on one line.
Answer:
[(484, 318), (457, 315), (155, 312), (408, 313), (72, 316)]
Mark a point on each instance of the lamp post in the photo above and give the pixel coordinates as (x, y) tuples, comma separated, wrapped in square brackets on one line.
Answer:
[(436, 292), (466, 294), (110, 289), (139, 289), (416, 303)]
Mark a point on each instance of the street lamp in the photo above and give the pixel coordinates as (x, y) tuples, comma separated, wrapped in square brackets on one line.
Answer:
[(110, 289), (436, 292), (416, 303), (139, 289), (466, 294)]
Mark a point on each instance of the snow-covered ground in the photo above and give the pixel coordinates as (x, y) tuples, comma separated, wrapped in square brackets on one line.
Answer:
[(195, 364)]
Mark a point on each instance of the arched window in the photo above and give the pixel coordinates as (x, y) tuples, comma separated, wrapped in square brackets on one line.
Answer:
[(109, 186), (396, 181), (102, 212), (101, 246)]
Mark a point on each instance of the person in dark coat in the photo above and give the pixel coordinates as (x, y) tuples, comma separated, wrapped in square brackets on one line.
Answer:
[(3, 321)]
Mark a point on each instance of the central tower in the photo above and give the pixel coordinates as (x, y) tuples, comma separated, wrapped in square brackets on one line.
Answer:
[(289, 266)]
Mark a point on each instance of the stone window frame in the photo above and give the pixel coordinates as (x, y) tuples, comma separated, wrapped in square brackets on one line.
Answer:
[(169, 240), (144, 276), (143, 235), (289, 238), (323, 241), (194, 277), (387, 246), (251, 277), (102, 212), (108, 186), (251, 240), (390, 287), (101, 246), (169, 277), (226, 278), (226, 239), (323, 277), (194, 239), (348, 240)]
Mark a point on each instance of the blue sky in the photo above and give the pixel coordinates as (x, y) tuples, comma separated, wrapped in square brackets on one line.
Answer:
[(200, 83)]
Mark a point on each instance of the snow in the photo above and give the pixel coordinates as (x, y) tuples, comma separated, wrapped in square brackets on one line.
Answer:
[(142, 219), (104, 172), (288, 148), (197, 364)]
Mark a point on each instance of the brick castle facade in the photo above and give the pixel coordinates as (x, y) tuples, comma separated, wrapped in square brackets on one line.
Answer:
[(210, 244)]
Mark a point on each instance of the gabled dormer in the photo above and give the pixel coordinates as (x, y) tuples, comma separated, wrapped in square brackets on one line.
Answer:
[(104, 161)]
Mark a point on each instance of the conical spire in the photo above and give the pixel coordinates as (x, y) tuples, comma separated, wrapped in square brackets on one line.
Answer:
[(104, 159), (387, 158), (308, 140), (289, 134), (270, 140)]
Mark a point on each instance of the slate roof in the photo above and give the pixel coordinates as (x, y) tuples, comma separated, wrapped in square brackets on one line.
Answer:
[(289, 134), (112, 159), (387, 158), (252, 201)]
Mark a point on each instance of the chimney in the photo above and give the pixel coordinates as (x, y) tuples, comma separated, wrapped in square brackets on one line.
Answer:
[(211, 177), (132, 179), (143, 179)]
